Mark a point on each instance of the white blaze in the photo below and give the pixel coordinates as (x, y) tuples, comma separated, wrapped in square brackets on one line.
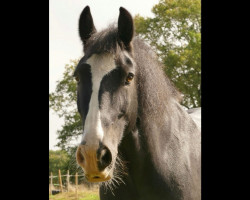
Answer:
[(100, 66)]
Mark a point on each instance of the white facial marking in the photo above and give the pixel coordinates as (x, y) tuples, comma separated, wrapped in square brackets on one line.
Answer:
[(100, 66)]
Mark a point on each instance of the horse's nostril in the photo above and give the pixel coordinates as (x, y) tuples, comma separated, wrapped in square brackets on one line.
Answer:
[(96, 177), (104, 156), (79, 156)]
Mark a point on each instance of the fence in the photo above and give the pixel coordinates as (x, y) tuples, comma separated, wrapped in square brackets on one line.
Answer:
[(60, 182)]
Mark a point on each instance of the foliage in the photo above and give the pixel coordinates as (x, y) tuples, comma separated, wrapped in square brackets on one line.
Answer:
[(58, 160), (175, 33), (63, 102)]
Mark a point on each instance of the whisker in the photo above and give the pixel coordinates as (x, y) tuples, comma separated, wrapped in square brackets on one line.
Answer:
[(120, 170)]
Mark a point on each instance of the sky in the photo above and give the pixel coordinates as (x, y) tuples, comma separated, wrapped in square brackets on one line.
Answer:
[(64, 41)]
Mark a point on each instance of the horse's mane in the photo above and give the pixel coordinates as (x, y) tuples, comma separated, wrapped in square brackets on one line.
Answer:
[(155, 88)]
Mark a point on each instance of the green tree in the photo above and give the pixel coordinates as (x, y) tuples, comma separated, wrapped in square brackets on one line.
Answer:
[(175, 33), (63, 102), (58, 160)]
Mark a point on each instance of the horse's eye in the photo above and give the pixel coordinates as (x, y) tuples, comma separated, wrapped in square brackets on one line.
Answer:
[(129, 78), (77, 79)]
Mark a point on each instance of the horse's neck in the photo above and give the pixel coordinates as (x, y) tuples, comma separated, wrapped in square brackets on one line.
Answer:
[(171, 120), (168, 139)]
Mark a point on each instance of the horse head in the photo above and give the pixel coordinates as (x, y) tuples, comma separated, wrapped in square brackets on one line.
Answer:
[(106, 93)]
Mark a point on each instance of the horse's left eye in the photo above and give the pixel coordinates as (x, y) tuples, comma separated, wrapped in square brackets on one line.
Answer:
[(129, 78)]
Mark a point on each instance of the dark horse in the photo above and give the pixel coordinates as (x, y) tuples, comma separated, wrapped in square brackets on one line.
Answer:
[(137, 139)]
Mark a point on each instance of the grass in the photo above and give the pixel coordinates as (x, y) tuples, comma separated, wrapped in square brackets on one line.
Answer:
[(86, 194)]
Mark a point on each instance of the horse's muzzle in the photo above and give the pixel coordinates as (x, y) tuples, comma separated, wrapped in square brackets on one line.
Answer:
[(94, 162)]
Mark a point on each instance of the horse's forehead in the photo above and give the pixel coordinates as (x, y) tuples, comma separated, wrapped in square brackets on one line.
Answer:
[(101, 64)]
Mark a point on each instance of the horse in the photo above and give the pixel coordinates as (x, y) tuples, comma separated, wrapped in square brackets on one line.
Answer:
[(138, 142)]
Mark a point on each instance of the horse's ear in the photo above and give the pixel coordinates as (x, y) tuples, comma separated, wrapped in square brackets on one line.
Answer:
[(125, 27), (86, 25)]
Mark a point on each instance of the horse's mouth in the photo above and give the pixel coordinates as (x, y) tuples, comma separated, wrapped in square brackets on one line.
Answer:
[(97, 178)]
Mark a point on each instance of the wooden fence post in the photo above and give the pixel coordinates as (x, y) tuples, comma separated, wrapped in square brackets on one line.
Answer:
[(76, 179), (51, 182), (60, 180), (68, 180)]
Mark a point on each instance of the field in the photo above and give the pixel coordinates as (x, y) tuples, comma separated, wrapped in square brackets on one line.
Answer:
[(86, 194)]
